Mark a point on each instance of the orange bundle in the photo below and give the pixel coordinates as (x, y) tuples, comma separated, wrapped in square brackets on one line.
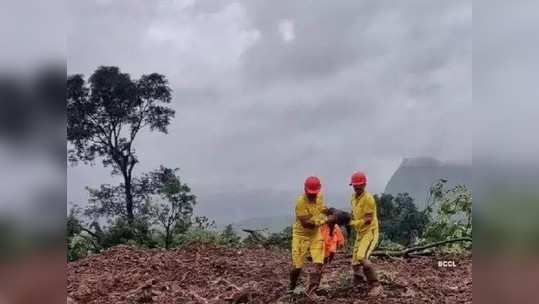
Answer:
[(333, 238)]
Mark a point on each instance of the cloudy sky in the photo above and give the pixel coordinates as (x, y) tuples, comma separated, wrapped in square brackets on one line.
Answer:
[(268, 92)]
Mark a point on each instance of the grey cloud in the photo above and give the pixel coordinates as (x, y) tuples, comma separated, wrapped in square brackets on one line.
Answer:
[(362, 85)]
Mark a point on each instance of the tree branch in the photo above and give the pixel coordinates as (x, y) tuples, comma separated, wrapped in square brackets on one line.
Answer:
[(92, 234), (91, 240), (137, 127), (258, 237), (89, 231), (408, 251)]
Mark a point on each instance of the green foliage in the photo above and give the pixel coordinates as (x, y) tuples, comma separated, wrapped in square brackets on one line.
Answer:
[(79, 242), (171, 205), (83, 239), (229, 237), (73, 224), (108, 201), (78, 247), (449, 214), (121, 232), (203, 233), (203, 222), (400, 221), (197, 235), (252, 240), (282, 239), (162, 206)]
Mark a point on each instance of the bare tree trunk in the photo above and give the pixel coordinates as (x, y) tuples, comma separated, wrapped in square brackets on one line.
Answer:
[(167, 237), (129, 199)]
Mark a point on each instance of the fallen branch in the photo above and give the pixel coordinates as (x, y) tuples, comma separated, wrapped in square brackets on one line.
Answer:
[(229, 283), (256, 234), (92, 241), (408, 251)]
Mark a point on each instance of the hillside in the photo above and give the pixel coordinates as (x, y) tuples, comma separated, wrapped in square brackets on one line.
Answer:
[(214, 275), (416, 175)]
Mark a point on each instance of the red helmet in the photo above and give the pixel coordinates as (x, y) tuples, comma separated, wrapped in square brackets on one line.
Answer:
[(358, 178), (312, 185)]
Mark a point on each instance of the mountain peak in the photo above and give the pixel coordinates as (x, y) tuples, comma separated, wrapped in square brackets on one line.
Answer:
[(416, 175)]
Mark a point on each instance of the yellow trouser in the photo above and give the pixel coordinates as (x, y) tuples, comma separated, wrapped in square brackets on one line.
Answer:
[(301, 245), (364, 245)]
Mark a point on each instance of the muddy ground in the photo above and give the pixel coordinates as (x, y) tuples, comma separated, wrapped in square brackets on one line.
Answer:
[(212, 275)]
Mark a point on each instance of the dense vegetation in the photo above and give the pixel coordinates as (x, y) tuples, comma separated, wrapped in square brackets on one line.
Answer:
[(401, 225)]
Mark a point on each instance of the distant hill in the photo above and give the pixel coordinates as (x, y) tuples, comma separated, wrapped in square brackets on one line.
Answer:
[(416, 175)]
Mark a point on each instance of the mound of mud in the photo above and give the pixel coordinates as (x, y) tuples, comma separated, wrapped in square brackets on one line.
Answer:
[(214, 275)]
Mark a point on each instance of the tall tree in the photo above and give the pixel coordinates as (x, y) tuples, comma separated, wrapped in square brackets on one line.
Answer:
[(105, 114)]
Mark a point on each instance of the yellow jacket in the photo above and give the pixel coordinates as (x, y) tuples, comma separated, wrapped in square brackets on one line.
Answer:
[(361, 206), (304, 207)]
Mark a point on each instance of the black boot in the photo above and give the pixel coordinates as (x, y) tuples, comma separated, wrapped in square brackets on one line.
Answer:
[(314, 282), (294, 276), (375, 288), (358, 278)]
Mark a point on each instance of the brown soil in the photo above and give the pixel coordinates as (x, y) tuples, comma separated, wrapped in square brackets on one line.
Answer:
[(212, 275)]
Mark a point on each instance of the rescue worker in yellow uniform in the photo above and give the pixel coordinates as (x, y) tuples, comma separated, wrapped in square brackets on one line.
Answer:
[(306, 235), (365, 223)]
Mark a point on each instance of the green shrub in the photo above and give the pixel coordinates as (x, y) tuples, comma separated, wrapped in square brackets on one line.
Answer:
[(197, 235), (78, 247), (449, 214), (228, 237), (282, 239), (138, 233)]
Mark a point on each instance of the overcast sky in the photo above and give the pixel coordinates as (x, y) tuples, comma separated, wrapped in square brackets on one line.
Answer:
[(269, 92)]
